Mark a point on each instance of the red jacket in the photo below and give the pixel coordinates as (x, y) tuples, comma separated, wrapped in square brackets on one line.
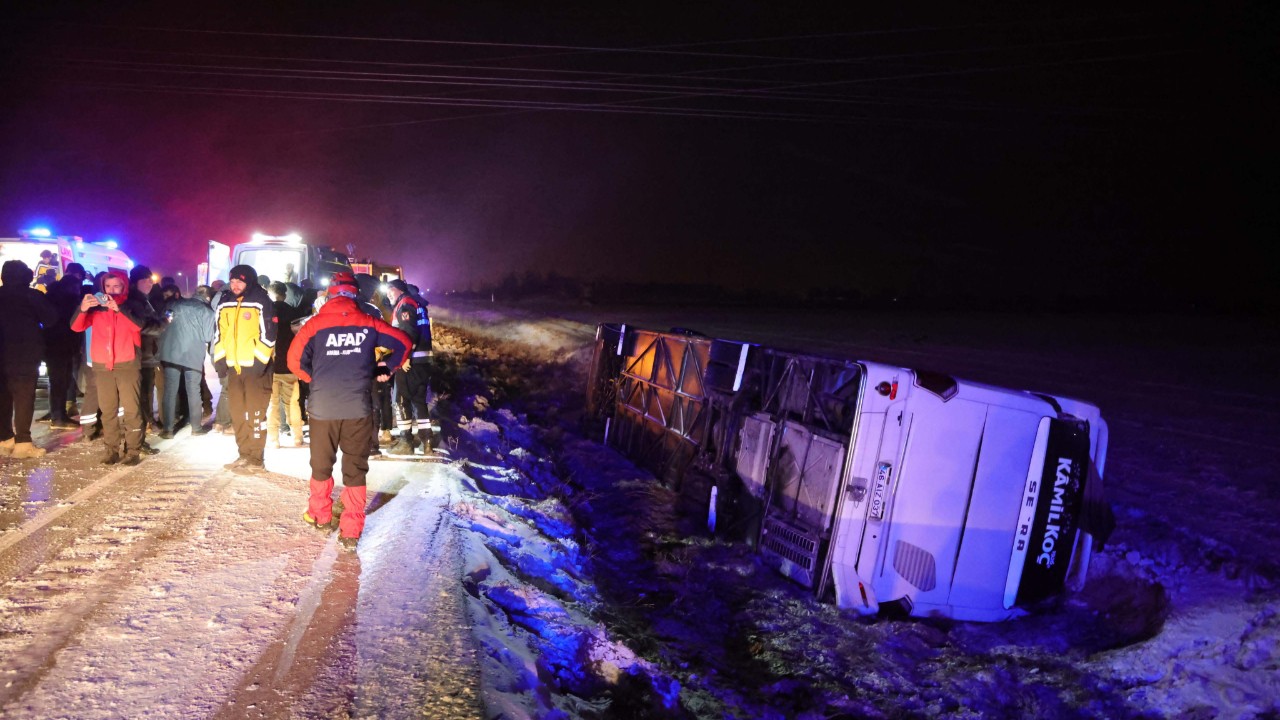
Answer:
[(113, 337)]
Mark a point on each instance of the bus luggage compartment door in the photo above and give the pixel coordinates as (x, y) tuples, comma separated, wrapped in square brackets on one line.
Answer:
[(804, 476)]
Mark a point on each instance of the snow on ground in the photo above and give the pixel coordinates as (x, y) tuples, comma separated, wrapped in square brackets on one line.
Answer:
[(527, 571), (1179, 617)]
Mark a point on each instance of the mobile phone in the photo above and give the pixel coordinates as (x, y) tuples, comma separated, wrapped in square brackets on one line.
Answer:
[(102, 297)]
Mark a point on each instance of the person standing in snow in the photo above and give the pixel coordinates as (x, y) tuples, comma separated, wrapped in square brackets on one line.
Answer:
[(335, 352), (182, 351), (115, 337), (243, 344), (141, 285), (413, 381), (62, 346), (24, 313), (90, 423), (284, 384)]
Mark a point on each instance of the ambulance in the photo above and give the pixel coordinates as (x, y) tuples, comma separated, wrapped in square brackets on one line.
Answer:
[(31, 245), (287, 258)]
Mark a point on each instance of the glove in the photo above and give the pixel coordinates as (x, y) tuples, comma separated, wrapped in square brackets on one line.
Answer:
[(382, 373)]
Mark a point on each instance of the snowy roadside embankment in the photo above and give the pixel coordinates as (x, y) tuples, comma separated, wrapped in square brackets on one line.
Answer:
[(1171, 623)]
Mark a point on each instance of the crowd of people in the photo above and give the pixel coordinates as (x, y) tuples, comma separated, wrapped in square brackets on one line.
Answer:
[(344, 368)]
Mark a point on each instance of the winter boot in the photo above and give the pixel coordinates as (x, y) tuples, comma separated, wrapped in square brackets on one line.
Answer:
[(273, 441), (319, 512), (90, 431), (351, 524), (132, 458), (112, 457), (426, 439), (402, 446), (24, 451), (251, 466), (384, 437), (6, 447)]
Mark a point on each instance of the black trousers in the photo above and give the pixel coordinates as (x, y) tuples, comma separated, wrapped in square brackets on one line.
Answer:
[(148, 381), (382, 404), (17, 402), (353, 437), (59, 362), (248, 394), (412, 387)]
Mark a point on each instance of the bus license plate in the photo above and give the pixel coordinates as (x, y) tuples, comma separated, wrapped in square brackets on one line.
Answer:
[(880, 490)]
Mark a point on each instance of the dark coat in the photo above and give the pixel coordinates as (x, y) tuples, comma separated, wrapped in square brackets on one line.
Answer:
[(64, 296), (24, 313), (286, 314), (186, 337), (335, 351), (140, 308)]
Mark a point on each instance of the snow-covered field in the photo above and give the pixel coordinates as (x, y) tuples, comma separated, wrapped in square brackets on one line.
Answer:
[(526, 571)]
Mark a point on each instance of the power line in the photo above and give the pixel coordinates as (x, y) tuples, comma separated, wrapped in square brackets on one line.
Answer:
[(522, 84), (453, 43), (411, 77)]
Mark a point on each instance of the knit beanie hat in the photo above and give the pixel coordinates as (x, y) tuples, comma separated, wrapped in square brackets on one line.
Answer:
[(244, 273)]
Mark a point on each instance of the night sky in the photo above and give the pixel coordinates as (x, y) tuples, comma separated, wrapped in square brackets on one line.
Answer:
[(1118, 154)]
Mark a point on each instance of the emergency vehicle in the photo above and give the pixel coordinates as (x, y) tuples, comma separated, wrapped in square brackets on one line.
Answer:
[(96, 257), (286, 258), (384, 273)]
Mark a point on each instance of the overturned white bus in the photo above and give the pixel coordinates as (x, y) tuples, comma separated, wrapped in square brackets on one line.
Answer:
[(885, 487)]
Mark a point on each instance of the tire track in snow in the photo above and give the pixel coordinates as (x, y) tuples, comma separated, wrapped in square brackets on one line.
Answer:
[(291, 676), (44, 611), (416, 655)]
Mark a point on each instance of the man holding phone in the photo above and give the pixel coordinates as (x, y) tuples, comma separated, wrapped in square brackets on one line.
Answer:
[(117, 367)]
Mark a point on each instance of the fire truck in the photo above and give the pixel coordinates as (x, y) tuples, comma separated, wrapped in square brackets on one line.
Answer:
[(384, 273)]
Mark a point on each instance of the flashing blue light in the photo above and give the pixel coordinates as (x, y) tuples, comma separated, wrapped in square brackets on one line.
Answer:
[(111, 244), (39, 232)]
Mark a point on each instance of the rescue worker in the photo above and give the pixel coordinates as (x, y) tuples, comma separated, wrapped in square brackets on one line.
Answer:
[(115, 336), (413, 380), (243, 343), (335, 352)]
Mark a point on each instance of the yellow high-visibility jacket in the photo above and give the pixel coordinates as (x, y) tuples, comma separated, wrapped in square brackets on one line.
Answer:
[(245, 337)]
